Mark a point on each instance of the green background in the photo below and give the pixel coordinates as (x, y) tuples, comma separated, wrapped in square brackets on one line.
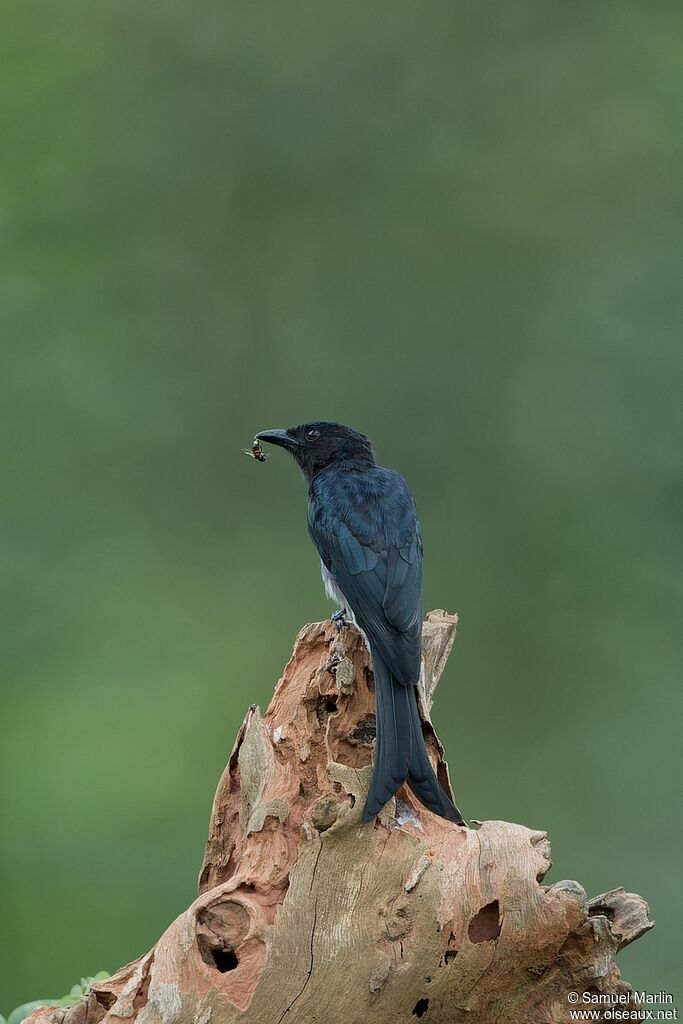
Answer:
[(455, 226)]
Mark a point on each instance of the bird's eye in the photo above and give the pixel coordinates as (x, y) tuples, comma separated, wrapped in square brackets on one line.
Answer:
[(312, 435)]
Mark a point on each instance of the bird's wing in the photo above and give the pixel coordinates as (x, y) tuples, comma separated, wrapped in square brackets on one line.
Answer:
[(374, 552)]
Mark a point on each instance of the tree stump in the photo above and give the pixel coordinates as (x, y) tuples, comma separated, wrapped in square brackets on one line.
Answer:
[(306, 915)]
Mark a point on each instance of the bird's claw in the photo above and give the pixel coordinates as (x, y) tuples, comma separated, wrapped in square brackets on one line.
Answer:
[(339, 618)]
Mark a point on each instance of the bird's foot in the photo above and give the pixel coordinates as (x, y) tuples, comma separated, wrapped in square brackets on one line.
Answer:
[(339, 618)]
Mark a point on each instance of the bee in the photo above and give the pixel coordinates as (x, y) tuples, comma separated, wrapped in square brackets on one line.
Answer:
[(256, 451)]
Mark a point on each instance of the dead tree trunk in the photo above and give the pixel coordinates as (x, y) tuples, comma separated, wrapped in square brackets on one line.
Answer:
[(306, 915)]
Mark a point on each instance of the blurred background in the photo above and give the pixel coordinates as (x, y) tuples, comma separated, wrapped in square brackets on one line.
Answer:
[(454, 226)]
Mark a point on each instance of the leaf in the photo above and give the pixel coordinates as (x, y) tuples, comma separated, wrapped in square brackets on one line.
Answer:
[(16, 1016), (75, 995)]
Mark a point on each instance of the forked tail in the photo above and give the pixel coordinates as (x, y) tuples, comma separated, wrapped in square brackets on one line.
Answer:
[(400, 751)]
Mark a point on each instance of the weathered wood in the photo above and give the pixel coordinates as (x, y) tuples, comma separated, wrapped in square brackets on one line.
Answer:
[(306, 915)]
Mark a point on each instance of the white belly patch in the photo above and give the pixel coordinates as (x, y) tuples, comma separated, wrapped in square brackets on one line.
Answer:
[(335, 594), (331, 588)]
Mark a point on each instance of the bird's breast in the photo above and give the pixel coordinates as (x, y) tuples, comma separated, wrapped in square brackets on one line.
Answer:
[(335, 594), (331, 588)]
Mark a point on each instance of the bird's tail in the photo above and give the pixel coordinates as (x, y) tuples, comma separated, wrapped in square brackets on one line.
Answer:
[(400, 751)]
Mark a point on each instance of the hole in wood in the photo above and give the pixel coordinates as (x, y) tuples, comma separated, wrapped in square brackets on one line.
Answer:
[(225, 959), (600, 910), (365, 732), (449, 956), (325, 706), (105, 999), (221, 928), (485, 925), (420, 1008)]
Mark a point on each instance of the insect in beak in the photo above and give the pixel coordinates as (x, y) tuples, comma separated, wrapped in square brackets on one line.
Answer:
[(256, 451)]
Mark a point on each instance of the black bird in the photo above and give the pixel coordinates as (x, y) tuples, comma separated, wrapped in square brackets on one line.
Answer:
[(363, 521)]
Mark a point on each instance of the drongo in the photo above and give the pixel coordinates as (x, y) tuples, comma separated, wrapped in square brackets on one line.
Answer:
[(363, 521)]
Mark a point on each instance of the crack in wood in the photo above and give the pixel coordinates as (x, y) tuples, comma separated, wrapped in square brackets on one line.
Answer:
[(315, 919)]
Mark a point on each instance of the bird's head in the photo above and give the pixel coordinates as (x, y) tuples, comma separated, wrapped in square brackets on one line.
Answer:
[(315, 446)]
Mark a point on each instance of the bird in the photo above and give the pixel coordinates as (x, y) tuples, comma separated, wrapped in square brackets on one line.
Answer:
[(363, 520)]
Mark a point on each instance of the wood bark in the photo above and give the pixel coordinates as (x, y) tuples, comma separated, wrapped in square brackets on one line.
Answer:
[(306, 915)]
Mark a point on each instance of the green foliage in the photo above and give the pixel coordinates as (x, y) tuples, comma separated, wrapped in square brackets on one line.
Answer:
[(77, 992)]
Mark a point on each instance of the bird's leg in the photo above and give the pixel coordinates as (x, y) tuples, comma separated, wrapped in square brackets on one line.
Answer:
[(339, 618)]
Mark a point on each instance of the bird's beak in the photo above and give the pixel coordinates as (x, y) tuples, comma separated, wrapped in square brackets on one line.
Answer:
[(278, 437)]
